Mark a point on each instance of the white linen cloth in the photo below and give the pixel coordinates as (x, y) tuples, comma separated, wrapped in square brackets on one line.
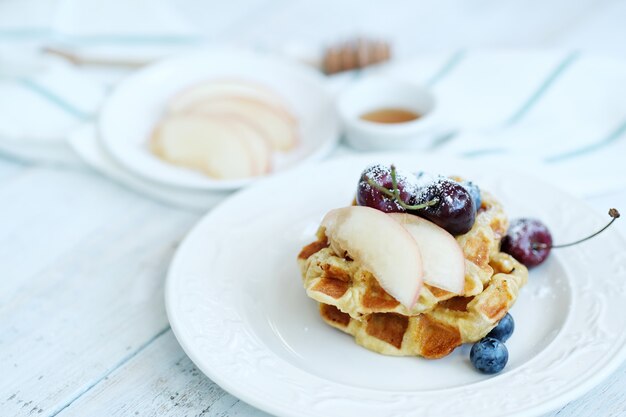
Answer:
[(560, 114)]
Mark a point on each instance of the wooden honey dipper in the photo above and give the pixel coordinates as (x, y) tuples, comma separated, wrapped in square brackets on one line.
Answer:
[(355, 54)]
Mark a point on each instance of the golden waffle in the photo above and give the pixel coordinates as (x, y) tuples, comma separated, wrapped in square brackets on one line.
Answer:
[(352, 300), (448, 324), (341, 282)]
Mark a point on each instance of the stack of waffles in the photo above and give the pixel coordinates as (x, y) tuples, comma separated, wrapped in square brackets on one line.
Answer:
[(351, 300)]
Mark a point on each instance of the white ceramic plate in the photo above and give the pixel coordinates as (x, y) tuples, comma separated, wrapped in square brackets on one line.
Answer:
[(132, 110), (236, 304)]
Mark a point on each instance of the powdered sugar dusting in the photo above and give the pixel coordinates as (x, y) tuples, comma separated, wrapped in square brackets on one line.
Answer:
[(381, 174), (415, 188), (426, 182)]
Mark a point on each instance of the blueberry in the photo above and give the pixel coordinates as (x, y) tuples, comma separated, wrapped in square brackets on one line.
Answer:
[(474, 191), (504, 329), (489, 355)]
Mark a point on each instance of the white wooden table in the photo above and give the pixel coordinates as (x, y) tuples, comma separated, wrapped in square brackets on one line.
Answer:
[(83, 330)]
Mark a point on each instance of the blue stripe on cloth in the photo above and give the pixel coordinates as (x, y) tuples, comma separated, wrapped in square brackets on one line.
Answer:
[(543, 88), (25, 33), (607, 140), (482, 152), (54, 99), (447, 67), (131, 39)]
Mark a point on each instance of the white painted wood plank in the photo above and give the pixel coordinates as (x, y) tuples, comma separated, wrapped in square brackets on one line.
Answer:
[(159, 381), (51, 212), (83, 263)]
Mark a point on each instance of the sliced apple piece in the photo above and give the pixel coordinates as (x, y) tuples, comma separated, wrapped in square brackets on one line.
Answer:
[(258, 147), (274, 123), (190, 96), (381, 245), (442, 257), (204, 144)]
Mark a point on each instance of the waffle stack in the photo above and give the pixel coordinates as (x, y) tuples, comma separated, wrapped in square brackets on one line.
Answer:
[(352, 301)]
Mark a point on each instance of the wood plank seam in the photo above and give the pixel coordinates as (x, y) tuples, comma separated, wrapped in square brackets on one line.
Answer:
[(115, 367)]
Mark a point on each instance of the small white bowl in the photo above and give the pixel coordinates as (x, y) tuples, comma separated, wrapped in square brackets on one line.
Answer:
[(377, 93)]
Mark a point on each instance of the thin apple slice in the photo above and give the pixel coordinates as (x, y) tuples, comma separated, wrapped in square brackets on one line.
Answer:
[(258, 147), (381, 245), (274, 123), (190, 96), (205, 144), (442, 257)]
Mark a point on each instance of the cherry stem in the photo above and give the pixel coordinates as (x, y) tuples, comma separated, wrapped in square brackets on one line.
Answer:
[(395, 193), (614, 216), (394, 182)]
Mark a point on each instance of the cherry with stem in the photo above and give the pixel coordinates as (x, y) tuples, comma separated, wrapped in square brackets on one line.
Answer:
[(530, 242), (614, 213), (395, 192)]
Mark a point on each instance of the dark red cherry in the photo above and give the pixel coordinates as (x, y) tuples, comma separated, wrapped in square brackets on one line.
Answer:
[(528, 240), (454, 208), (367, 195)]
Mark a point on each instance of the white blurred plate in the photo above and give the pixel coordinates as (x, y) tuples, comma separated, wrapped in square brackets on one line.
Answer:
[(235, 302), (135, 106)]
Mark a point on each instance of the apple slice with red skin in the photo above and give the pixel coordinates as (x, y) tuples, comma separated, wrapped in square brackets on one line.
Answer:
[(382, 245), (442, 257)]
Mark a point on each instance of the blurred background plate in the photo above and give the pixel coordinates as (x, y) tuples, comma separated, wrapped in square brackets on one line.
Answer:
[(135, 106)]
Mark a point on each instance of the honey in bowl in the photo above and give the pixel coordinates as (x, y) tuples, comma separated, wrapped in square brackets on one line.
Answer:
[(390, 115)]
